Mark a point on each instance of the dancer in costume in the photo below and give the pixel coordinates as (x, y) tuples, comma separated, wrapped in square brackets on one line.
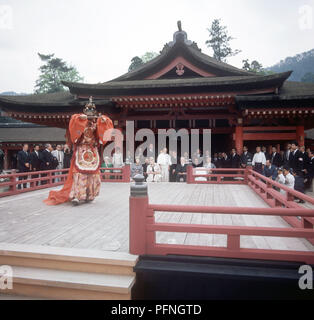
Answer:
[(83, 181)]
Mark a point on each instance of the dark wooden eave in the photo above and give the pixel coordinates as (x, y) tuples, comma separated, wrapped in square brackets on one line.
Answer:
[(292, 94), (172, 86), (59, 102)]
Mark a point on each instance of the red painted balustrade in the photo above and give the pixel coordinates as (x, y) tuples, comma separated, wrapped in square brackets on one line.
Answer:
[(14, 183), (214, 176), (143, 228)]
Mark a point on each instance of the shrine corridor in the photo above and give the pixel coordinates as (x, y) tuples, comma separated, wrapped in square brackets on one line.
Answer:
[(104, 224)]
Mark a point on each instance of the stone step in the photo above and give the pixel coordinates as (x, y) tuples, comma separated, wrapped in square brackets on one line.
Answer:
[(71, 259), (61, 284)]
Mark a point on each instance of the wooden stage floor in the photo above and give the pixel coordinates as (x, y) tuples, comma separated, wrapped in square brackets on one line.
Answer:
[(104, 224)]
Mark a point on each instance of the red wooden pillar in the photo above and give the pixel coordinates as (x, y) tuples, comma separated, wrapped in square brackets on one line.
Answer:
[(300, 135), (239, 139), (139, 212)]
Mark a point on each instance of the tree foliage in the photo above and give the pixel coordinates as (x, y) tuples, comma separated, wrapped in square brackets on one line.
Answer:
[(219, 41), (139, 61), (254, 66), (135, 63), (52, 72), (301, 64)]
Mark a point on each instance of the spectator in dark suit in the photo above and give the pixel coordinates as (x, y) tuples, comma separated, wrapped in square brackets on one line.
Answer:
[(264, 150), (1, 160), (270, 171), (67, 157), (181, 170), (246, 158), (225, 161), (35, 158), (305, 158), (23, 163), (47, 160), (296, 159), (218, 162), (235, 159), (275, 158), (309, 170), (287, 154)]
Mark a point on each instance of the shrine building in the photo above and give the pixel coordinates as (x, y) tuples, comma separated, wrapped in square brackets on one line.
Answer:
[(184, 88)]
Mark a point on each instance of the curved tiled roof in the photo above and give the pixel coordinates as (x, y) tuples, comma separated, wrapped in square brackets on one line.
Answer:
[(189, 51), (211, 83)]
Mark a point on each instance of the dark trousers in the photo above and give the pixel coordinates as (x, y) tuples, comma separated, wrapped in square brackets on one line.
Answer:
[(258, 167), (179, 177), (34, 176), (24, 184)]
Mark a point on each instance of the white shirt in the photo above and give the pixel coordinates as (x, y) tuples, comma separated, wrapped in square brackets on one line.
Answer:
[(164, 159), (281, 179), (289, 181), (117, 159), (259, 158)]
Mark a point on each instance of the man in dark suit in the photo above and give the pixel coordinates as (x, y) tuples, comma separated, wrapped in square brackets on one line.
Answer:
[(310, 169), (287, 154), (246, 157), (275, 158), (235, 159), (181, 170), (23, 164), (35, 157), (225, 161), (270, 170), (47, 160), (296, 159), (1, 161)]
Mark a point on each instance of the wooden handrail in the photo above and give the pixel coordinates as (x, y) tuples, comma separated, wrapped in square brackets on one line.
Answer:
[(233, 210)]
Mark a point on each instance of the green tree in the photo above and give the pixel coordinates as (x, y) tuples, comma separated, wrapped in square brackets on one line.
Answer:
[(219, 41), (135, 63), (308, 77), (254, 66), (52, 72), (149, 56), (139, 61)]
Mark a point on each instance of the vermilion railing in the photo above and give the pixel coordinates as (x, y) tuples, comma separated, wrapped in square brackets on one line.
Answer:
[(214, 176), (143, 228), (115, 174), (277, 195), (14, 183)]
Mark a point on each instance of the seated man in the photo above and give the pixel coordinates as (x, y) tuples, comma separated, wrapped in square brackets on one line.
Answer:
[(153, 171), (181, 170), (270, 170), (136, 168)]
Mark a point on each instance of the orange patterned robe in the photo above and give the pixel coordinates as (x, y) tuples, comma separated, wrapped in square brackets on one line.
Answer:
[(83, 181)]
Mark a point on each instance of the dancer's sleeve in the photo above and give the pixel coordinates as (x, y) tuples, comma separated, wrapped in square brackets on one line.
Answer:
[(104, 128), (77, 125)]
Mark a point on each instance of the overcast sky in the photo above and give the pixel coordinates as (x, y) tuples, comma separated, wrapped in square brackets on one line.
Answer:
[(100, 37)]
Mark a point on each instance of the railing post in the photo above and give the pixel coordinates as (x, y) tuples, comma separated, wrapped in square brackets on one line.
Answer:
[(126, 173), (246, 174), (138, 215), (13, 181), (189, 174), (233, 242)]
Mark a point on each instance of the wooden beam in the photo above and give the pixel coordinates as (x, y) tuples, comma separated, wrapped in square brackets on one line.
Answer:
[(269, 136)]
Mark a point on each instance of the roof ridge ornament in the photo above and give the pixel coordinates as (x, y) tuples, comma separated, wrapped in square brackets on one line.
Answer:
[(180, 36)]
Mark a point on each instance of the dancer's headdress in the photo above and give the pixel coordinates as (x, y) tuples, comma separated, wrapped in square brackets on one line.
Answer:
[(90, 109)]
